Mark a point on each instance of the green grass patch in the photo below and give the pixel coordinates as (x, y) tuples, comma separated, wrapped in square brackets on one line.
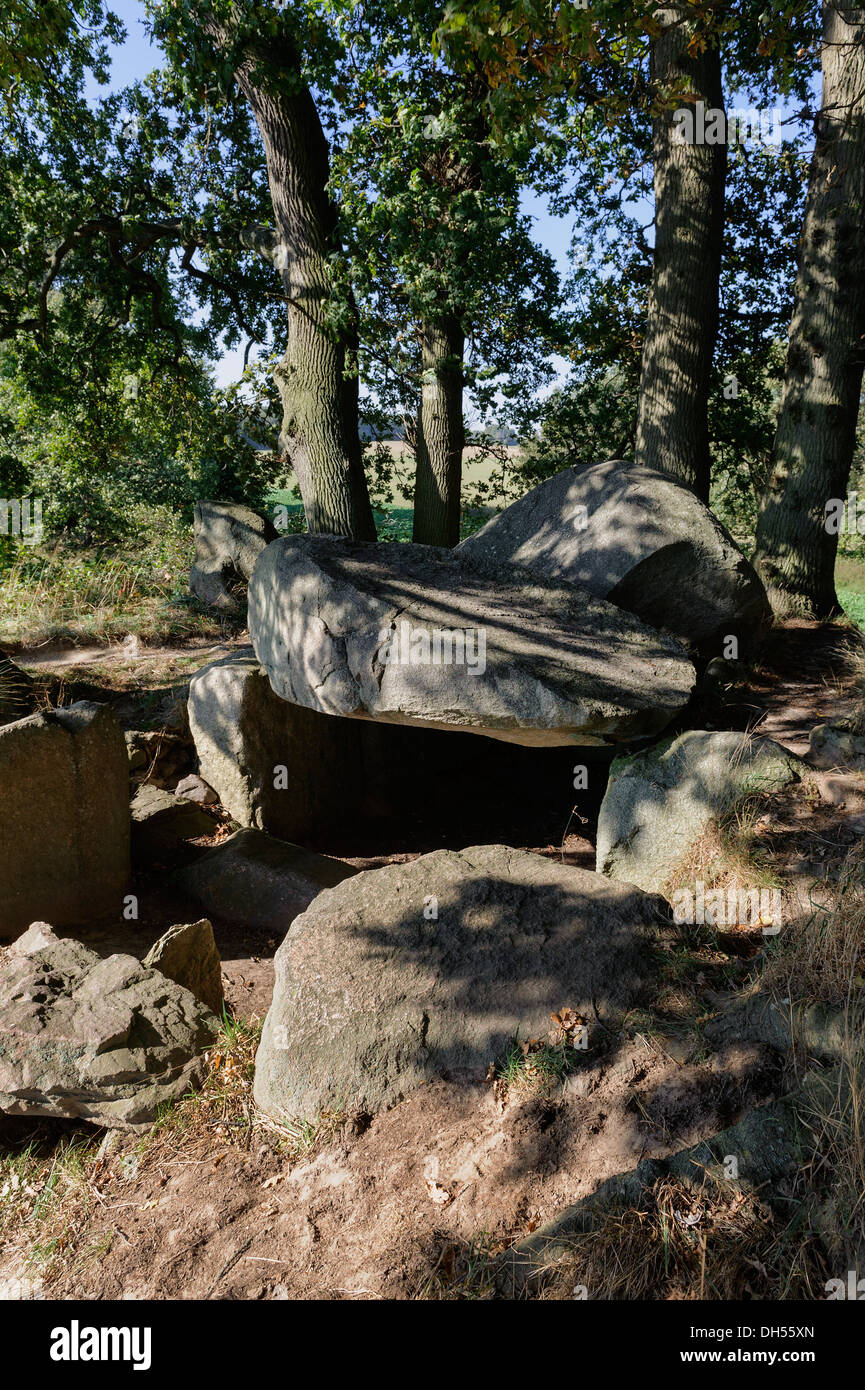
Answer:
[(392, 524), (536, 1067), (853, 603)]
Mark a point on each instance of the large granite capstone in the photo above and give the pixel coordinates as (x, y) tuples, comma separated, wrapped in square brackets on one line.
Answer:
[(409, 634), (633, 536)]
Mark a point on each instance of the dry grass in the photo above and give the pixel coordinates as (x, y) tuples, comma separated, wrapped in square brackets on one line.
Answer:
[(821, 957), (685, 1244), (51, 1187), (222, 1110), (83, 596), (726, 855), (835, 1178), (48, 1190), (462, 1273)]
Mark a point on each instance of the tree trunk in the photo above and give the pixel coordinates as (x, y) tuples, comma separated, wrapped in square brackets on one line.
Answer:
[(317, 378), (682, 325), (440, 435), (816, 432)]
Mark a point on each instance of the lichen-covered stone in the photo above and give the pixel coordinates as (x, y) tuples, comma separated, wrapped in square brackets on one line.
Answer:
[(105, 1040), (659, 803), (408, 972)]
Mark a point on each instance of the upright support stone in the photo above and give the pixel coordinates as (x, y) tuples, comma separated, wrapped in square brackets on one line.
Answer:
[(64, 818), (228, 540)]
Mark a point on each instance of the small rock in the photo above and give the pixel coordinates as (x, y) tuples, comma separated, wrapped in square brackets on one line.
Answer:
[(162, 821), (839, 790), (194, 788), (37, 936), (161, 755), (134, 751), (835, 746)]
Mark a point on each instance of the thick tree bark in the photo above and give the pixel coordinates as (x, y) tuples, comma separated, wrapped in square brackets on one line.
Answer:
[(682, 325), (440, 435), (816, 432), (317, 378)]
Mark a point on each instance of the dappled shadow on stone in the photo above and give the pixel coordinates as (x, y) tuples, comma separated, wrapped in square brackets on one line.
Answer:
[(432, 967)]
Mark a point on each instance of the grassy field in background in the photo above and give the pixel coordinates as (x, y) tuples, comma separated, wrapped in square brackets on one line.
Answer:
[(850, 588), (853, 603), (394, 524)]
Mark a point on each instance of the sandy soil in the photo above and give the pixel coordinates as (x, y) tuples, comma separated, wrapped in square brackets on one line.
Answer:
[(394, 1211)]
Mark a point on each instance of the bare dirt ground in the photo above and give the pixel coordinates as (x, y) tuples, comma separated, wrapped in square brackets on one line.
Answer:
[(218, 1203), (805, 679), (400, 1209)]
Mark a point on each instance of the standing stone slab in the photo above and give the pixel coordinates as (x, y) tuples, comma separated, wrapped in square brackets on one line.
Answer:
[(347, 628), (243, 733), (64, 817), (374, 995), (228, 540), (659, 803), (258, 881), (637, 538)]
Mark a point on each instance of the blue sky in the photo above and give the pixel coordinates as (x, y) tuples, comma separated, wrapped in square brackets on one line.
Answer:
[(137, 56)]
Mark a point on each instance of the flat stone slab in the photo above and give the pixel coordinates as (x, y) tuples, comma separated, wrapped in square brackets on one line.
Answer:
[(637, 538), (430, 968), (85, 1038), (408, 634), (259, 881)]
